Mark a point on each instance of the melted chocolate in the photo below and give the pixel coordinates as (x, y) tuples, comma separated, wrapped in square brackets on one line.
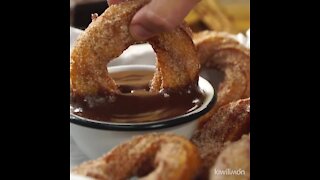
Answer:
[(135, 103)]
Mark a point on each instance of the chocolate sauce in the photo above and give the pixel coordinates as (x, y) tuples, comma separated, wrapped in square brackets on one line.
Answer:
[(135, 103)]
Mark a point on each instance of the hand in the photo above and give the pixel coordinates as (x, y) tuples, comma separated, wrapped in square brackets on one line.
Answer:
[(158, 16)]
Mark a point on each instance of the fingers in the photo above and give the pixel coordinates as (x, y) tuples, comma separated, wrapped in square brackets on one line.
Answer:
[(159, 16)]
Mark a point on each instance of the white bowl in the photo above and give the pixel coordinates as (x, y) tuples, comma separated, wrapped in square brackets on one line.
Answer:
[(95, 138)]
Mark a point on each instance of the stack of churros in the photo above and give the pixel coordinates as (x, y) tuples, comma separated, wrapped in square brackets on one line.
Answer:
[(218, 15), (218, 149)]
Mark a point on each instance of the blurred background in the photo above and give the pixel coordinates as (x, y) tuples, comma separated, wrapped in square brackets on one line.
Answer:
[(221, 15)]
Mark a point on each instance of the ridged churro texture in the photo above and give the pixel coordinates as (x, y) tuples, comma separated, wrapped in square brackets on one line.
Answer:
[(229, 123), (221, 52), (152, 156), (235, 157)]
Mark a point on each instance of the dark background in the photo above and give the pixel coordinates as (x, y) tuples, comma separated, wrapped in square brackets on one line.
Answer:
[(80, 15)]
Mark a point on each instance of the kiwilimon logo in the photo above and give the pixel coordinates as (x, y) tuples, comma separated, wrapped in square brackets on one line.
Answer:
[(231, 172)]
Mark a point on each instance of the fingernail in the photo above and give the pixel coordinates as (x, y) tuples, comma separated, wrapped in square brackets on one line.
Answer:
[(139, 32)]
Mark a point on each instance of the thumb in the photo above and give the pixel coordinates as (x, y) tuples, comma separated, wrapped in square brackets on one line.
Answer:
[(159, 16)]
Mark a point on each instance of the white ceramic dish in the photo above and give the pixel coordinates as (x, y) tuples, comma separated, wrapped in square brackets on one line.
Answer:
[(94, 138)]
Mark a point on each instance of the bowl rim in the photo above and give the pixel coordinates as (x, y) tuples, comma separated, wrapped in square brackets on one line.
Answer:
[(144, 126)]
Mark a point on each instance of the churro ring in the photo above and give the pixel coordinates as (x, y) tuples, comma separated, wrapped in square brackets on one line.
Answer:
[(235, 157), (219, 51), (151, 156), (108, 36), (229, 123)]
